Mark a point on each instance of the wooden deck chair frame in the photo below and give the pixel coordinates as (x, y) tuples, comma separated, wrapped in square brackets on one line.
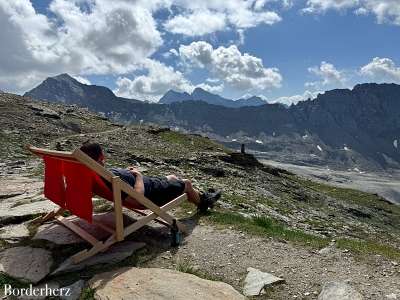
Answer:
[(119, 233)]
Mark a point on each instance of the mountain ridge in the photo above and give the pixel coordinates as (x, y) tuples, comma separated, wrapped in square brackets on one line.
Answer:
[(341, 128), (200, 94)]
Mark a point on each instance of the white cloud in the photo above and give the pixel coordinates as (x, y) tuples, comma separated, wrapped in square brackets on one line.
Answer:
[(241, 71), (323, 5), (113, 38), (196, 24), (158, 80), (208, 16), (82, 79), (328, 74), (110, 37), (381, 70), (289, 100), (385, 11), (211, 88)]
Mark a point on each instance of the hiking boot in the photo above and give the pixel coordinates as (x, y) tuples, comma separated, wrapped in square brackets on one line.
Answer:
[(208, 199)]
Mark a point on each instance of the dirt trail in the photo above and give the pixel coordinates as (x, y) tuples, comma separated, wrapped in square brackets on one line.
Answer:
[(227, 254)]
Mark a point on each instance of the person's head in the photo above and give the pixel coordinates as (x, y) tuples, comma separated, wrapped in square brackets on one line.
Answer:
[(94, 151)]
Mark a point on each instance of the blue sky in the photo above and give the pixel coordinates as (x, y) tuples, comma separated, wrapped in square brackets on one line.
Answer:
[(283, 50)]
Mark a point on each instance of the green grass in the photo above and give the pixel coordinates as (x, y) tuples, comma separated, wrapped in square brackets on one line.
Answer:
[(362, 247), (197, 143), (262, 225), (87, 294)]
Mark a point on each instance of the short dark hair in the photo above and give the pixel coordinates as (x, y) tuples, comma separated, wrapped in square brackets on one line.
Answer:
[(92, 149)]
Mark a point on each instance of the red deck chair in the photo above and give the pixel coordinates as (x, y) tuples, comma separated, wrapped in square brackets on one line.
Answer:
[(70, 181)]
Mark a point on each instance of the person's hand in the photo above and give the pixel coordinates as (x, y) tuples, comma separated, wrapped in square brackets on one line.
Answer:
[(134, 171)]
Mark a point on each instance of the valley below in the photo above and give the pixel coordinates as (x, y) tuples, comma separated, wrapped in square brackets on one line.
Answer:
[(385, 184)]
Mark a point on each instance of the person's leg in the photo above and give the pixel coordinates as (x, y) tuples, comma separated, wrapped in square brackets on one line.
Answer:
[(192, 194), (203, 201)]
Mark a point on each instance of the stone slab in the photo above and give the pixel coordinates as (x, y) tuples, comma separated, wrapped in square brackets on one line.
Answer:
[(256, 281), (339, 291), (115, 254), (159, 284), (26, 263), (14, 232)]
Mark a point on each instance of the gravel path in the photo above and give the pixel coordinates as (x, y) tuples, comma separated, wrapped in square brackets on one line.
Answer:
[(227, 254)]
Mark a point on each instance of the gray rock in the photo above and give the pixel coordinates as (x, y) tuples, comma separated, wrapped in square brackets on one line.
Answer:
[(8, 211), (159, 284), (74, 290), (339, 291), (115, 254), (26, 263), (18, 185), (256, 281), (22, 197), (14, 232), (326, 251), (391, 296), (61, 235)]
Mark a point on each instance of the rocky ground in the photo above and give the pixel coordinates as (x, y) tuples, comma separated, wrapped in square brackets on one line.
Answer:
[(304, 232)]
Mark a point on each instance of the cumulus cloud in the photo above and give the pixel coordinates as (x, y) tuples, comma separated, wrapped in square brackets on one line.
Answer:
[(211, 88), (151, 86), (197, 23), (101, 37), (328, 74), (323, 5), (207, 16), (381, 70), (82, 79), (385, 11), (109, 37), (241, 71)]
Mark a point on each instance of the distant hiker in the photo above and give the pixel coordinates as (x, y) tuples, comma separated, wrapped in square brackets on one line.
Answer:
[(242, 149), (159, 190)]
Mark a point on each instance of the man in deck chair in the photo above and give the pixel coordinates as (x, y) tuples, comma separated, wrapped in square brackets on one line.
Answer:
[(159, 190)]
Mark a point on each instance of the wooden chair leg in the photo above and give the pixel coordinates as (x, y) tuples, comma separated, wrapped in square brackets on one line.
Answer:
[(99, 247), (48, 216)]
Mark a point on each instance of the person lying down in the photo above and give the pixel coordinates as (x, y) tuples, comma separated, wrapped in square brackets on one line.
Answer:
[(160, 190)]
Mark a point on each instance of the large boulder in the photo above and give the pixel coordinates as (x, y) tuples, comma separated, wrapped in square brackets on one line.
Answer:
[(339, 291), (159, 284), (26, 263)]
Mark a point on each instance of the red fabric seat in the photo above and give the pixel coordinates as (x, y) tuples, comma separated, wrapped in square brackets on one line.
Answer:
[(69, 184), (72, 185)]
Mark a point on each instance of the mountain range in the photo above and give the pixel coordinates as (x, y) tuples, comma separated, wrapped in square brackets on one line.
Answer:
[(200, 94), (342, 128)]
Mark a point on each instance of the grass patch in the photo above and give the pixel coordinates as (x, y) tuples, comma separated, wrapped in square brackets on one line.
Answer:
[(87, 294), (368, 247), (195, 142), (265, 226)]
